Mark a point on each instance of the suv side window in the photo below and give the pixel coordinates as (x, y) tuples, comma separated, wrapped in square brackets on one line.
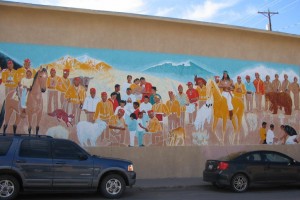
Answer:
[(35, 148), (66, 150), (4, 145)]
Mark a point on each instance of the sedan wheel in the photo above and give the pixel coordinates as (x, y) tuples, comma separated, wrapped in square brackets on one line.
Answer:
[(112, 186), (239, 183), (9, 187)]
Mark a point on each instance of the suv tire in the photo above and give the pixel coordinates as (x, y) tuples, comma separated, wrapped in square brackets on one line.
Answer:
[(112, 186), (9, 187)]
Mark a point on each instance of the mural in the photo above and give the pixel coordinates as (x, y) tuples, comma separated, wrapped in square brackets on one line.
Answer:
[(104, 97)]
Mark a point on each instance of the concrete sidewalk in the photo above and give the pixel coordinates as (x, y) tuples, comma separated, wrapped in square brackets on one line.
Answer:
[(169, 183)]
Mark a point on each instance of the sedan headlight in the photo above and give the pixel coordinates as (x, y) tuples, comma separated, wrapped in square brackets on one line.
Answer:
[(130, 168)]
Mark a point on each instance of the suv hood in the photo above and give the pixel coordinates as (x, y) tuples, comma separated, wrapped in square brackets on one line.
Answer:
[(116, 160)]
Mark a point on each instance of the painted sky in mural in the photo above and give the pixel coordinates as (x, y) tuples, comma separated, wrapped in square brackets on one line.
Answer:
[(106, 67), (150, 62)]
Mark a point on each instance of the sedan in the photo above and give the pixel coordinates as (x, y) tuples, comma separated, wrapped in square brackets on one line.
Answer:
[(241, 169)]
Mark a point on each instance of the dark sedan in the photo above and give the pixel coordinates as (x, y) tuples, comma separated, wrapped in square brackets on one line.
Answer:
[(241, 169)]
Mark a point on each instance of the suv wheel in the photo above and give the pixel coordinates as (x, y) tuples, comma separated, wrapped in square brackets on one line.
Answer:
[(239, 183), (9, 187), (112, 186)]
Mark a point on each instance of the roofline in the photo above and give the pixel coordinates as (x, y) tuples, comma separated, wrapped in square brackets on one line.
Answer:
[(146, 17)]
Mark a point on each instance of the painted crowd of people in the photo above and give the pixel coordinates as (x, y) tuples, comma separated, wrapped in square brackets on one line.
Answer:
[(286, 135), (136, 106)]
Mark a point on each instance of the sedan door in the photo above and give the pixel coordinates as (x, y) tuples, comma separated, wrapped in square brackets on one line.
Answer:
[(280, 168), (254, 167), (73, 168)]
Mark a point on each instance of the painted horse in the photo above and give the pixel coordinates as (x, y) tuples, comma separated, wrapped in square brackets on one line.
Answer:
[(34, 103), (220, 111)]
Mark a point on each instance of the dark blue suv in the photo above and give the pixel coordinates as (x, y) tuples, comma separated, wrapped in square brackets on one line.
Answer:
[(45, 164)]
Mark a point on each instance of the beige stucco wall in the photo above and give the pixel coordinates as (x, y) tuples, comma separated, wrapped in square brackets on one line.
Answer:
[(170, 162), (22, 23), (80, 28)]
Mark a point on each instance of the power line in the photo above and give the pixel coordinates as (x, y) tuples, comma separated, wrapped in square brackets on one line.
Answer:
[(249, 17), (268, 15)]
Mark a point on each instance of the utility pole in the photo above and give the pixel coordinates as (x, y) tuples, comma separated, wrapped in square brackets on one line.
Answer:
[(268, 15)]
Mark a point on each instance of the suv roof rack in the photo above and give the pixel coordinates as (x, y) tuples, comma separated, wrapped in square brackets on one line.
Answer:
[(26, 135)]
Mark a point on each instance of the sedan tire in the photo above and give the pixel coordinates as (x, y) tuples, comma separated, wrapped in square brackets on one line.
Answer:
[(9, 187), (112, 186), (239, 183)]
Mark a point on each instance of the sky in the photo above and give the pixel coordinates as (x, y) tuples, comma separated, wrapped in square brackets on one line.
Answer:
[(231, 12)]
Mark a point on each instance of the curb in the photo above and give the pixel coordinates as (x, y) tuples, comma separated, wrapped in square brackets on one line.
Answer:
[(169, 183)]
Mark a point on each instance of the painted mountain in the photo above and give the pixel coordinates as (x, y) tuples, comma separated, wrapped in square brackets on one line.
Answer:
[(3, 61), (182, 71), (84, 63)]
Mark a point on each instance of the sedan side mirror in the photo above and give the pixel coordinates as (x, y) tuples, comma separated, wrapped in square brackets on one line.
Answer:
[(292, 162)]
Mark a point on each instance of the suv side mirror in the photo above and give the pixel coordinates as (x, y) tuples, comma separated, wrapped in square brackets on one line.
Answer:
[(82, 156)]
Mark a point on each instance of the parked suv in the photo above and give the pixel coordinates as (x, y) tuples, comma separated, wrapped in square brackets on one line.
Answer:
[(45, 164)]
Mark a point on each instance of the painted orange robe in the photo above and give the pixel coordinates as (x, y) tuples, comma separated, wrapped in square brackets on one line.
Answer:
[(154, 125), (174, 107), (63, 84), (104, 110), (8, 78), (160, 108), (259, 86), (75, 95), (239, 90), (21, 73), (202, 93), (52, 82), (116, 121)]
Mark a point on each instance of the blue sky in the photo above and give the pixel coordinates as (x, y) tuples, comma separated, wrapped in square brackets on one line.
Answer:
[(232, 12)]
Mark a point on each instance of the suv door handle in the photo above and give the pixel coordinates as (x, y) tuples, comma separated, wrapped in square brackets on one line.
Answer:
[(60, 163), (20, 161)]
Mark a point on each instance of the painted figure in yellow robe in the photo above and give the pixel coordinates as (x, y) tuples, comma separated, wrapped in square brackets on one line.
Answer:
[(8, 77), (117, 126), (174, 112), (201, 88), (75, 95), (160, 109), (52, 91), (21, 72), (104, 111), (239, 89), (63, 83)]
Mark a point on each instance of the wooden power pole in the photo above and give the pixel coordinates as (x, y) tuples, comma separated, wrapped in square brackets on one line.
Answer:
[(268, 15)]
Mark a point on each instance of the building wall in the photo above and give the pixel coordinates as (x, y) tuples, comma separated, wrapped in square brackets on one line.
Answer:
[(91, 29), (24, 26), (160, 162)]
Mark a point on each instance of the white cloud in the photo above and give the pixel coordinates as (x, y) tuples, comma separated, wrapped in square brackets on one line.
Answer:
[(164, 11), (129, 6), (208, 10)]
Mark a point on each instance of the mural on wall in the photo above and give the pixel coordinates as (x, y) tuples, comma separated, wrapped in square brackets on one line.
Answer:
[(103, 97)]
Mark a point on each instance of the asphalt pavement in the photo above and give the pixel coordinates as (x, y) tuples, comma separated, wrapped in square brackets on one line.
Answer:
[(169, 183)]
